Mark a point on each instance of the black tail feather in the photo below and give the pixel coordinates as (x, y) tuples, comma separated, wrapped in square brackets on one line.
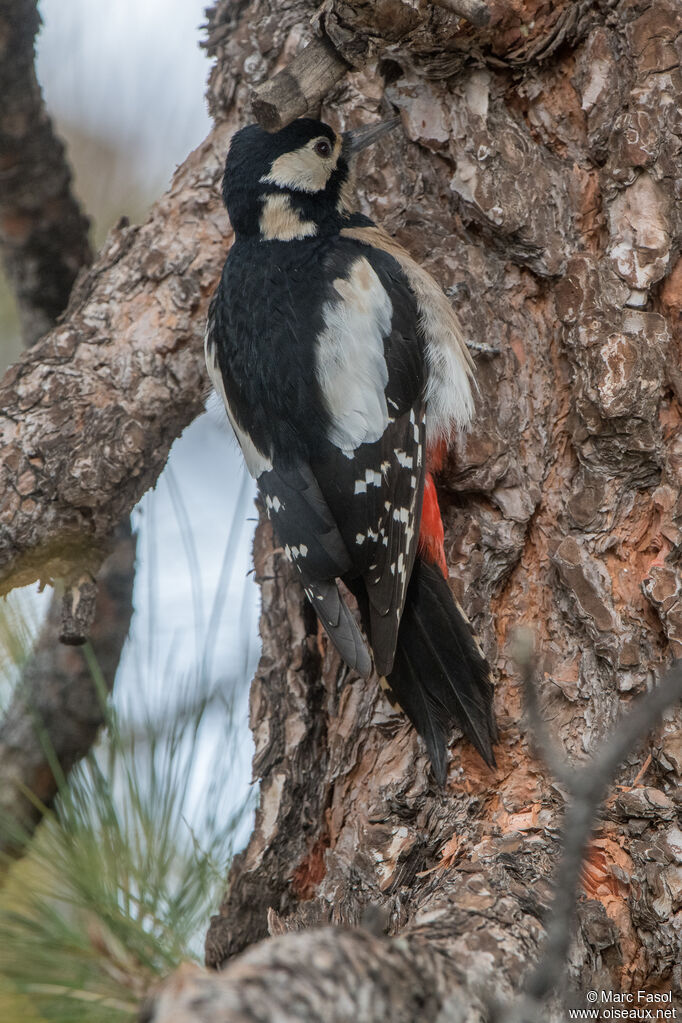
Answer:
[(427, 716), (439, 676)]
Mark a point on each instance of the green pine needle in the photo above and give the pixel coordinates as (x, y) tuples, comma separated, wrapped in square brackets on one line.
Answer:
[(117, 887)]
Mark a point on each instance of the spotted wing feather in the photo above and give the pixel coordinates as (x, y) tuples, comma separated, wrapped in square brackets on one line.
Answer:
[(343, 482), (375, 496), (307, 529)]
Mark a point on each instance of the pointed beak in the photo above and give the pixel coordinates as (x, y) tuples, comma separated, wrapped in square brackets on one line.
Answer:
[(360, 138)]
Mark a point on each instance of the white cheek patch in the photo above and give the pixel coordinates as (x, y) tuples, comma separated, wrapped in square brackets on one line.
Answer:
[(256, 461), (350, 365), (304, 170)]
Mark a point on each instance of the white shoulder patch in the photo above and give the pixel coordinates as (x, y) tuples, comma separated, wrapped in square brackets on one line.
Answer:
[(256, 461), (350, 365), (450, 383)]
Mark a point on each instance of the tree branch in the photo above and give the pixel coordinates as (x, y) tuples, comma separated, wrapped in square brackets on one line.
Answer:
[(298, 88), (335, 974), (382, 983), (43, 233), (88, 418), (57, 709), (89, 414)]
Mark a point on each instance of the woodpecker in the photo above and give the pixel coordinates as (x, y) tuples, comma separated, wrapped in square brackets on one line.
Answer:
[(344, 372)]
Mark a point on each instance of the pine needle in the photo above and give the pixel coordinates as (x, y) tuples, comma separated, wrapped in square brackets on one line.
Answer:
[(117, 887)]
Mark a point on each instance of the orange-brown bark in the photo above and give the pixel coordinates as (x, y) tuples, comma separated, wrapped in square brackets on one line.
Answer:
[(537, 178), (537, 182)]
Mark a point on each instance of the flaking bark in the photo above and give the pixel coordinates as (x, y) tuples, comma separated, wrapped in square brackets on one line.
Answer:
[(537, 179)]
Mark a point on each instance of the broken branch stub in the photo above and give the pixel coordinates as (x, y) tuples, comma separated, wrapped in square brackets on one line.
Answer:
[(475, 11), (298, 88), (78, 610)]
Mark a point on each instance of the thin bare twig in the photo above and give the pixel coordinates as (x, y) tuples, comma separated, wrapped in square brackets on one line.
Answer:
[(540, 739), (587, 787)]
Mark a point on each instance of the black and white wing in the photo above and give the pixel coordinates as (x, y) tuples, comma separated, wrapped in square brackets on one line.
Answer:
[(350, 509), (305, 526), (369, 465)]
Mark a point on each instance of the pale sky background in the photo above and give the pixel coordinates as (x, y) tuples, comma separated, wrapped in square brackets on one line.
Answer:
[(131, 72)]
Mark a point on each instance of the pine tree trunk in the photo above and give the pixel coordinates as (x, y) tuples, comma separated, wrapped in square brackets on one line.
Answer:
[(538, 178)]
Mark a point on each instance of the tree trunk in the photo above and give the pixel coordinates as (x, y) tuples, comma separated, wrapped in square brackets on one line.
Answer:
[(43, 233), (537, 179), (56, 711)]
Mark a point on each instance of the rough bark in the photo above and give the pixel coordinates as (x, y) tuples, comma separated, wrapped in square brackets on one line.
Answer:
[(43, 233), (57, 709), (342, 974), (88, 415), (538, 179)]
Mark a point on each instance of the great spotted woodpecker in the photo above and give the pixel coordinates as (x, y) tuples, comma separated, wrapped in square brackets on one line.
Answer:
[(343, 371)]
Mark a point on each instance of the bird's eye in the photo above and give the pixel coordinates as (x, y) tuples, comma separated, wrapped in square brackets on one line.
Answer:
[(323, 147)]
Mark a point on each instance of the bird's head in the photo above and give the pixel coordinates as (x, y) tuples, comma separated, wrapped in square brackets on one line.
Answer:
[(294, 183)]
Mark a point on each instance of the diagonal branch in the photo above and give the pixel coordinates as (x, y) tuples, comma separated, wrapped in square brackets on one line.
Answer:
[(88, 415), (43, 233)]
